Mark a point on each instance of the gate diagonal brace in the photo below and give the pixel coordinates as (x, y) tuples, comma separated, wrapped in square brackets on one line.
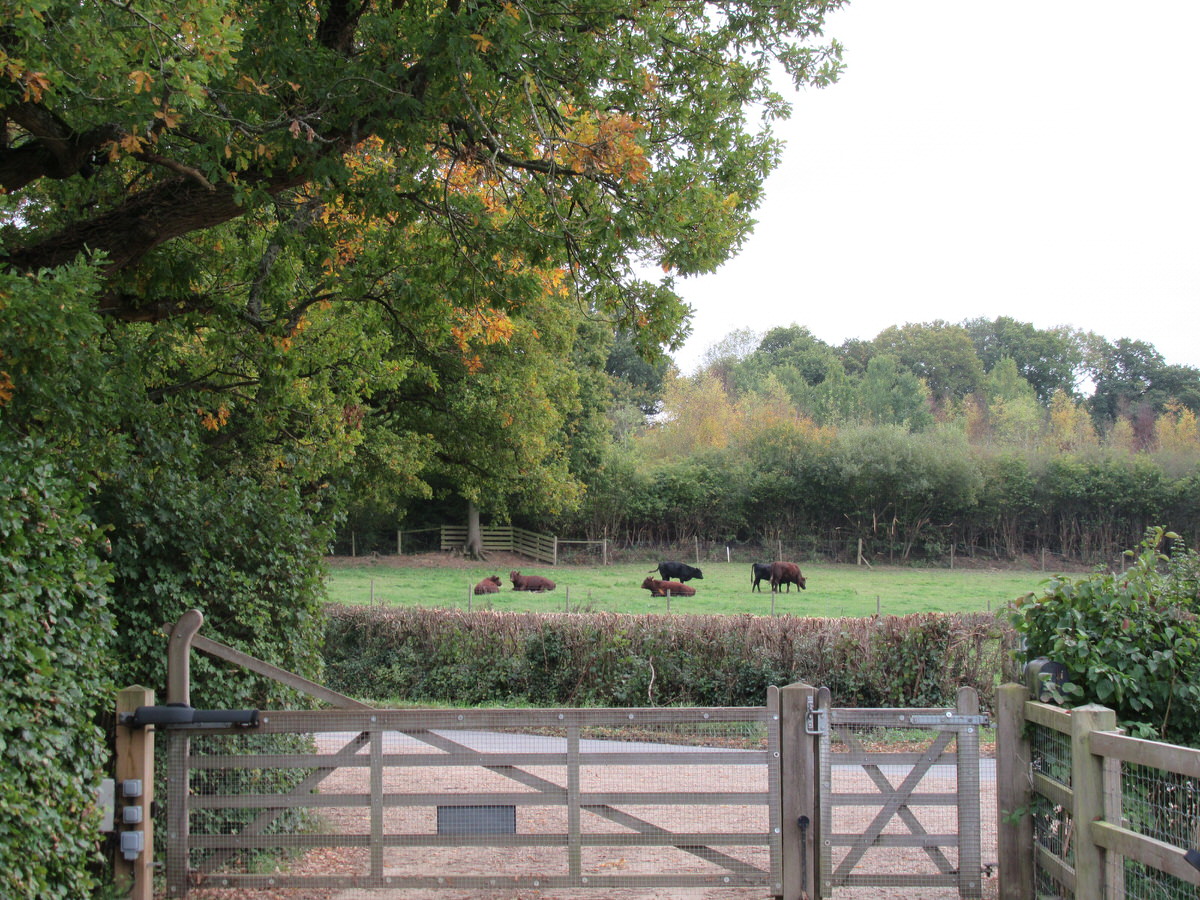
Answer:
[(904, 812), (708, 854), (895, 805)]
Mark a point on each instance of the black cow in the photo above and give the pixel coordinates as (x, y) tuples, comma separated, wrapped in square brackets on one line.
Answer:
[(677, 571), (759, 572)]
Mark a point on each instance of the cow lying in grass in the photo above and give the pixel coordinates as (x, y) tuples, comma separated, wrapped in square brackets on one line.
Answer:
[(530, 582), (489, 585), (663, 588)]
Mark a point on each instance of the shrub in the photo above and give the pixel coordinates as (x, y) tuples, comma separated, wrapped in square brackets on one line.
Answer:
[(1130, 640)]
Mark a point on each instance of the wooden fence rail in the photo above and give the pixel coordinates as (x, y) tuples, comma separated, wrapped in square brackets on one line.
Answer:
[(1074, 799)]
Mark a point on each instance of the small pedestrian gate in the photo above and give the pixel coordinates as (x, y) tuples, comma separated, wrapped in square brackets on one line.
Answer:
[(750, 798), (877, 803)]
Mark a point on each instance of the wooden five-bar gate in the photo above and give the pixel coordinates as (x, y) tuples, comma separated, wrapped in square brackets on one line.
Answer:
[(791, 799)]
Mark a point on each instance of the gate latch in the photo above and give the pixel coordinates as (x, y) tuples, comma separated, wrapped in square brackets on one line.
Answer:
[(817, 720)]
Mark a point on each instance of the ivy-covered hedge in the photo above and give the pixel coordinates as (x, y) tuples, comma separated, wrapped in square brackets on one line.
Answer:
[(54, 680), (450, 656)]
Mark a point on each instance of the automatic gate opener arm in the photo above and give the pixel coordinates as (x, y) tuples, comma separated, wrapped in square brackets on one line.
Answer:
[(179, 666)]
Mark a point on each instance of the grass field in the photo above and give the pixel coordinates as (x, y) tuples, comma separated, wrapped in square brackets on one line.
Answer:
[(833, 590)]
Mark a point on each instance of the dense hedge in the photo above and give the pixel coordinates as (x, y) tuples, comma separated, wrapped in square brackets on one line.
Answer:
[(54, 680), (450, 656)]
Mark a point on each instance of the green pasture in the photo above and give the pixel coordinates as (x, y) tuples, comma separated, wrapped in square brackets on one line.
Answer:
[(833, 590)]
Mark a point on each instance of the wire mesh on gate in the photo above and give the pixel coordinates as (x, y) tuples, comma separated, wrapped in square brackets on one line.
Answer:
[(612, 799), (1053, 826), (903, 794), (1161, 805)]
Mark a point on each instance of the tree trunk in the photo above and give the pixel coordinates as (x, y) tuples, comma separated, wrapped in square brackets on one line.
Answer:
[(474, 546)]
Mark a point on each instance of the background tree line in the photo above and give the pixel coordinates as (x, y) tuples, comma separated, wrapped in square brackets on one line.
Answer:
[(989, 437)]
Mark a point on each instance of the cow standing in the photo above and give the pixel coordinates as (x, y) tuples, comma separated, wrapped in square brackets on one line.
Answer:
[(678, 571), (530, 582), (759, 572), (667, 588), (786, 573)]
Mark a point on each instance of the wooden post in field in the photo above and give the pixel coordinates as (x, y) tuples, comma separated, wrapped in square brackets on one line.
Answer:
[(135, 762), (470, 593), (399, 549), (1014, 828), (696, 538), (952, 556)]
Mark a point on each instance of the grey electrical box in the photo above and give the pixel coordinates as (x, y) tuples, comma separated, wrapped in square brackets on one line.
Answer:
[(132, 844), (131, 815), (106, 802), (131, 787)]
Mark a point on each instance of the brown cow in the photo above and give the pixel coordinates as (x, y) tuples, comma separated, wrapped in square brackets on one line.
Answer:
[(530, 582), (489, 585), (785, 573), (662, 588)]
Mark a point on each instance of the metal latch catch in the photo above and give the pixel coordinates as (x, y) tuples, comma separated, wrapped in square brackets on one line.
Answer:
[(817, 720)]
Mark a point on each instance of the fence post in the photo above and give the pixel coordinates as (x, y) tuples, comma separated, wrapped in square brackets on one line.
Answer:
[(1087, 791), (1014, 828), (966, 754), (135, 761), (797, 779)]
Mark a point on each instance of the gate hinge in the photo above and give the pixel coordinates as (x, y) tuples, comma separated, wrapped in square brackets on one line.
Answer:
[(817, 720)]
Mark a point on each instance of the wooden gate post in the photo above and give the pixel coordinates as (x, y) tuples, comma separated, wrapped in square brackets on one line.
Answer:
[(797, 783), (1014, 828), (135, 763), (966, 755), (1087, 791)]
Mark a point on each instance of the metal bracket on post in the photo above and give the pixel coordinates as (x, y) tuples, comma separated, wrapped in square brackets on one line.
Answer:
[(817, 720)]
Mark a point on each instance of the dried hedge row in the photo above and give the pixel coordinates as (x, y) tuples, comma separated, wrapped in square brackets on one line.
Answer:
[(605, 659)]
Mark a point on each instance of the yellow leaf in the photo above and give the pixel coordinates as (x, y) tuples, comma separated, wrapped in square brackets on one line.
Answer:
[(482, 44), (141, 80)]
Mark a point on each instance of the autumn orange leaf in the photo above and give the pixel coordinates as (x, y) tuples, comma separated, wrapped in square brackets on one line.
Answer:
[(141, 80)]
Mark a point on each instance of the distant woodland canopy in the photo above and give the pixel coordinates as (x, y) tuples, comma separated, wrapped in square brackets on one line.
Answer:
[(995, 438)]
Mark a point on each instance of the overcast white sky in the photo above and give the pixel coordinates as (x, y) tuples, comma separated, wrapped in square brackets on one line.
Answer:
[(1039, 160)]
